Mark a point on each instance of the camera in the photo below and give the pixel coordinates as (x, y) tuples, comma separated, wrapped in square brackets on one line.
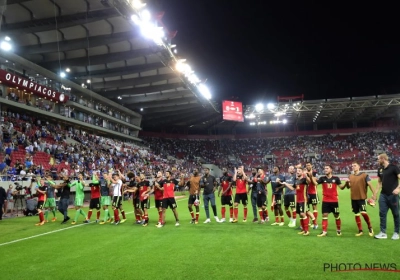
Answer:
[(18, 187)]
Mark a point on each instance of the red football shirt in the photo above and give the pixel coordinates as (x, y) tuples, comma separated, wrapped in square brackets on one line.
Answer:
[(240, 184), (312, 189), (225, 182), (301, 188), (168, 186), (329, 188), (95, 191), (143, 187), (158, 194), (42, 196)]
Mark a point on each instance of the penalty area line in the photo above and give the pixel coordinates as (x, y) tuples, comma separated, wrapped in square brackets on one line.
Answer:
[(58, 230)]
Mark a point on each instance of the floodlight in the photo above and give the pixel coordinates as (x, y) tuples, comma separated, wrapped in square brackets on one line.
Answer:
[(204, 91), (62, 74), (259, 107), (271, 106)]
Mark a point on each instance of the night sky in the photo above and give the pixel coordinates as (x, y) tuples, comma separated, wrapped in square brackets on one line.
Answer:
[(258, 50)]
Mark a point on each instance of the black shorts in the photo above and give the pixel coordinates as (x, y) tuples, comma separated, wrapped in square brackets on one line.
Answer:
[(313, 199), (278, 199), (158, 203), (169, 202), (289, 201), (241, 197), (301, 207), (117, 201), (94, 203), (330, 207), (145, 204), (358, 206), (40, 205), (261, 200), (191, 199), (136, 203), (226, 200)]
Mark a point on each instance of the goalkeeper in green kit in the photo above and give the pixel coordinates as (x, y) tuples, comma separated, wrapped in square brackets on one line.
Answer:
[(79, 196)]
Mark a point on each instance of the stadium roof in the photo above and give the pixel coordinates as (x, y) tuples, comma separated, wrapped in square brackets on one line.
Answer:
[(98, 41)]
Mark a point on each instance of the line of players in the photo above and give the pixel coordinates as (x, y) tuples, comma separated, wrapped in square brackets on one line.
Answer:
[(300, 196)]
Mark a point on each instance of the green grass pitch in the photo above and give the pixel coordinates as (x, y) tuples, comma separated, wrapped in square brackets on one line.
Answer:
[(203, 251)]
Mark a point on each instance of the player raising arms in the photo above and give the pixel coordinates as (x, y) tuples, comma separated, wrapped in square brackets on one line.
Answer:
[(312, 193), (50, 204), (167, 186), (105, 199), (226, 197), (276, 201), (358, 183), (240, 179), (194, 195), (330, 201), (132, 187)]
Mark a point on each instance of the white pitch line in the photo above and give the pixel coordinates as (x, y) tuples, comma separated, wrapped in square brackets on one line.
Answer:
[(57, 230)]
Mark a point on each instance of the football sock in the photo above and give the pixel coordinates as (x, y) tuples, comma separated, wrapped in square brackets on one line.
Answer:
[(76, 215), (160, 216), (366, 218), (106, 215), (315, 216), (282, 219), (288, 213), (223, 210), (235, 212), (324, 224), (261, 213), (358, 221), (123, 214), (116, 215), (197, 216), (276, 219), (46, 214), (231, 212), (245, 213), (338, 223), (98, 214), (41, 217), (89, 214), (305, 223), (265, 213), (192, 214), (82, 213), (294, 214), (302, 224)]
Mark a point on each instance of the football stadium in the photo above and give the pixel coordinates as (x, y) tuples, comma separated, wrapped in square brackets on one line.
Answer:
[(121, 158)]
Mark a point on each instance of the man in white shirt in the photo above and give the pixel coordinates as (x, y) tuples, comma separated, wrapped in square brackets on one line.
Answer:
[(116, 184)]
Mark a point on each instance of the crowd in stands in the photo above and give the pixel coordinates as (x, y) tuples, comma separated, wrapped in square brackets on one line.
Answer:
[(31, 145)]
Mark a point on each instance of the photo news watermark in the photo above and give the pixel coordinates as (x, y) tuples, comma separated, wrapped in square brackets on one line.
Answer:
[(348, 267)]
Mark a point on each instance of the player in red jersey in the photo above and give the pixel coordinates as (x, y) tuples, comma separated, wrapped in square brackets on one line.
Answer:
[(240, 179), (301, 204), (226, 198), (312, 192), (158, 195), (330, 201), (168, 185), (41, 193), (144, 191), (94, 197)]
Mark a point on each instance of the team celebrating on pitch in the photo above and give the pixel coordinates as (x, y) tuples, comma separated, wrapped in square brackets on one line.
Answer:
[(296, 192)]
